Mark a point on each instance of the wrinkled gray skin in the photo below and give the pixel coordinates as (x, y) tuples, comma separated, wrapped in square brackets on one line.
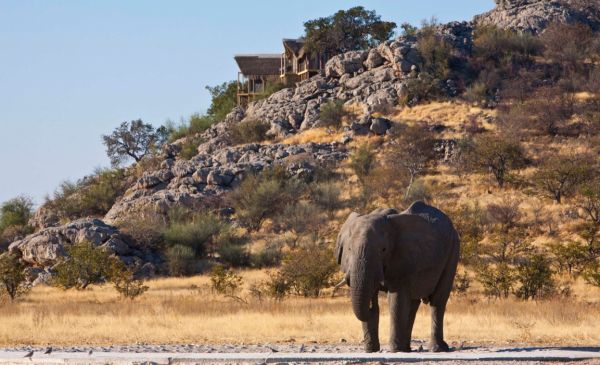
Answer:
[(412, 256)]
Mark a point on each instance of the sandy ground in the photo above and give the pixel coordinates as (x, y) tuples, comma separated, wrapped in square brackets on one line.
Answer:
[(310, 353)]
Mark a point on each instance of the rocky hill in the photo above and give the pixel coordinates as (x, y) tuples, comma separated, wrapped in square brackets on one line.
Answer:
[(375, 83), (535, 15)]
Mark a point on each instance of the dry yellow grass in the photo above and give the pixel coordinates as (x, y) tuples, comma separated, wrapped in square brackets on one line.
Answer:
[(316, 135), (185, 311)]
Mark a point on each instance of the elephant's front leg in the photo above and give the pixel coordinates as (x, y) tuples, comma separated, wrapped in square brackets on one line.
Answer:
[(402, 317), (371, 327), (437, 329)]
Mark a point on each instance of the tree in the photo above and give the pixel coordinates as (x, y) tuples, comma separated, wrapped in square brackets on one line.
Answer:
[(413, 151), (559, 176), (133, 140), (125, 282), (567, 44), (12, 276), (83, 265), (535, 278), (494, 155), (434, 50), (347, 30), (15, 213), (223, 100)]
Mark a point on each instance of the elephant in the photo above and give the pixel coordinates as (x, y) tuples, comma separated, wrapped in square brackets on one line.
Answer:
[(411, 255)]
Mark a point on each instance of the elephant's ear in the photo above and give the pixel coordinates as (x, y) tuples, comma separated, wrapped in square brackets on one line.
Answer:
[(416, 244), (344, 238)]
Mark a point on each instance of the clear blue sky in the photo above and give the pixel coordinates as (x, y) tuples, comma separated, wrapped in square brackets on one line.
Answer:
[(71, 71)]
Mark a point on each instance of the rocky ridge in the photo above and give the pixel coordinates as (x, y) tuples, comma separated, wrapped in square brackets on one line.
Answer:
[(535, 15), (43, 249)]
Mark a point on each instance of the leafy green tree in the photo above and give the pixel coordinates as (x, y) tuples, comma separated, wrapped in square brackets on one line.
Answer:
[(12, 276), (15, 213), (223, 100), (347, 30), (134, 140), (534, 275), (435, 52), (83, 265)]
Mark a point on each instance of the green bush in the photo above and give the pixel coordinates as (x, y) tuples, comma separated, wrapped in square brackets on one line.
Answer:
[(326, 195), (232, 249), (308, 270), (301, 218), (503, 46), (15, 212), (362, 162), (12, 276), (434, 51), (497, 280), (223, 100), (125, 282), (91, 196), (181, 260), (189, 148), (225, 281), (332, 113), (263, 196), (534, 276), (199, 233), (249, 131), (83, 265), (268, 256)]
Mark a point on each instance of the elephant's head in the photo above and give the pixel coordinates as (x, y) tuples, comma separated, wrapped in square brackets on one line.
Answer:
[(361, 250)]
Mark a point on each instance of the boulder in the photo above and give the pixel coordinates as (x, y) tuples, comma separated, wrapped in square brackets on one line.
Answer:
[(345, 63), (373, 60), (380, 126)]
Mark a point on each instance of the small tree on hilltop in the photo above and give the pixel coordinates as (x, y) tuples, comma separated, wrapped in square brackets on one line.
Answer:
[(133, 140), (12, 276), (223, 100), (347, 30), (496, 156)]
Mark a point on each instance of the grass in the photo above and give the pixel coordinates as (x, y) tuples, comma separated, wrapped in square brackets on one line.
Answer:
[(183, 310)]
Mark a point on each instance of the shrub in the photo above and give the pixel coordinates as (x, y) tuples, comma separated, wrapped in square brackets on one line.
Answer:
[(224, 281), (276, 285), (434, 51), (223, 100), (91, 196), (462, 283), (332, 113), (362, 162), (300, 218), (145, 228), (12, 276), (199, 233), (417, 191), (83, 265), (470, 222), (506, 214), (592, 274), (125, 282), (263, 196), (249, 131), (235, 255), (326, 195), (268, 256), (419, 89), (133, 140), (494, 155), (497, 281), (15, 212), (503, 47), (535, 278), (181, 260), (308, 270), (560, 176), (571, 257), (189, 148)]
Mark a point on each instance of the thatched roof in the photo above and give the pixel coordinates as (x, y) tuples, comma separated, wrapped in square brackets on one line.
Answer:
[(293, 45), (259, 64)]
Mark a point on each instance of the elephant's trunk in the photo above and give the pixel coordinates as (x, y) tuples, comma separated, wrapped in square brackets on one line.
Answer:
[(364, 284)]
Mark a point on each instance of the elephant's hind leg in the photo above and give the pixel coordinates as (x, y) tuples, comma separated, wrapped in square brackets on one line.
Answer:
[(403, 311), (437, 329)]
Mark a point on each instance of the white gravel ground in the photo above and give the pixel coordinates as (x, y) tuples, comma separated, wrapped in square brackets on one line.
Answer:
[(292, 354)]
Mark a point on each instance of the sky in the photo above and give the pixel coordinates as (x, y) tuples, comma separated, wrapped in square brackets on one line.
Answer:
[(71, 71)]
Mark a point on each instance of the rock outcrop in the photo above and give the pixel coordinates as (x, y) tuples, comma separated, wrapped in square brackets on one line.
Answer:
[(535, 15), (44, 248), (191, 183)]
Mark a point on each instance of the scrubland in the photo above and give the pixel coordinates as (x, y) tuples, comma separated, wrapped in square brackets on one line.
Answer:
[(184, 310)]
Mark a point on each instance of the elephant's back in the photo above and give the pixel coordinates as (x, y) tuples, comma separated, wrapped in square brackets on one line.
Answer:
[(434, 216)]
